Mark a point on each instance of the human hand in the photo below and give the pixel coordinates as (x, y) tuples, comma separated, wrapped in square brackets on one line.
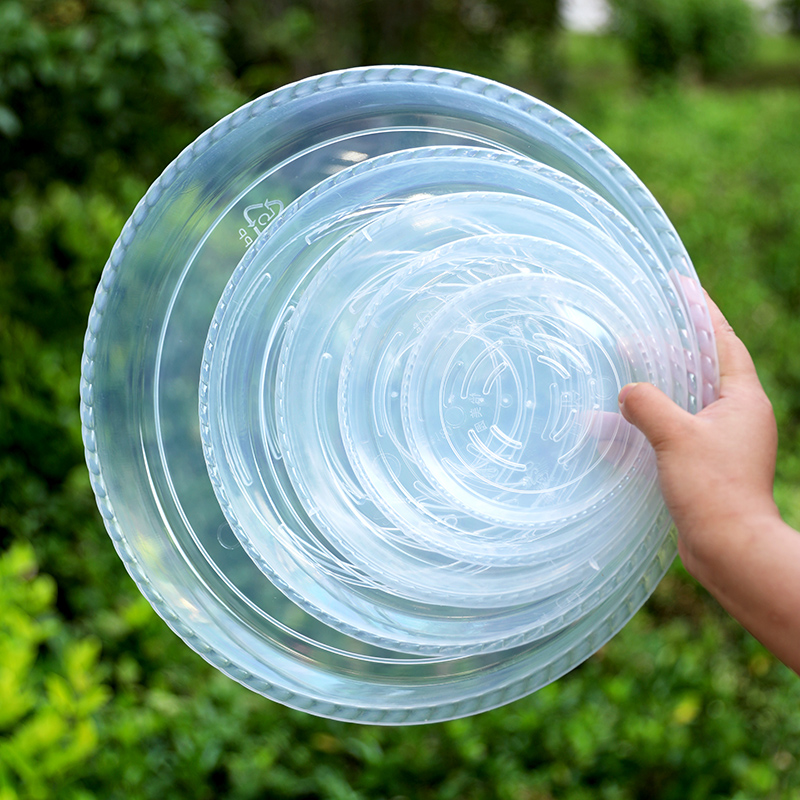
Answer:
[(717, 466)]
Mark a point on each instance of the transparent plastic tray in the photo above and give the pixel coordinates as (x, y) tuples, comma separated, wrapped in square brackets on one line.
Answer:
[(349, 393)]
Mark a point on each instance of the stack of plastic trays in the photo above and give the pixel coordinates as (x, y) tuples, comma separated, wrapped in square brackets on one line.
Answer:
[(409, 494)]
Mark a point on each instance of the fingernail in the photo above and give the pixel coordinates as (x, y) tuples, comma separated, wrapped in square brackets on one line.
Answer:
[(623, 392)]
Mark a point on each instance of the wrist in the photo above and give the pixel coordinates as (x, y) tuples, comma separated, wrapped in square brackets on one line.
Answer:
[(710, 547)]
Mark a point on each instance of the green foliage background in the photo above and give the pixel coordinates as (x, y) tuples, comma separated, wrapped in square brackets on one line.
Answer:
[(98, 699)]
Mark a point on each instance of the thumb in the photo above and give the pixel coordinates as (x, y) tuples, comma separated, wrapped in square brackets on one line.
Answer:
[(658, 417)]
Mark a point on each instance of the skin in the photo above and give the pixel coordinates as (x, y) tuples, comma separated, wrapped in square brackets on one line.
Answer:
[(716, 470)]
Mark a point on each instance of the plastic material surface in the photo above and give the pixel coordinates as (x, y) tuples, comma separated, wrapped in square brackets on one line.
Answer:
[(349, 393)]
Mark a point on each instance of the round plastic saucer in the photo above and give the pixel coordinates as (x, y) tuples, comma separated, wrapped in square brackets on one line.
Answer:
[(349, 393)]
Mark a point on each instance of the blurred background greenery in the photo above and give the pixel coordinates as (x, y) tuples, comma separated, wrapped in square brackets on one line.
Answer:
[(98, 699)]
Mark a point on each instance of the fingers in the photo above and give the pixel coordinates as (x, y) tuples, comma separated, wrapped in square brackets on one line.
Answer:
[(697, 307), (653, 413), (735, 362), (658, 417)]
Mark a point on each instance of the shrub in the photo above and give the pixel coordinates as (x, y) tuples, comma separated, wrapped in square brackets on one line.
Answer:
[(50, 687), (79, 78), (665, 37)]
